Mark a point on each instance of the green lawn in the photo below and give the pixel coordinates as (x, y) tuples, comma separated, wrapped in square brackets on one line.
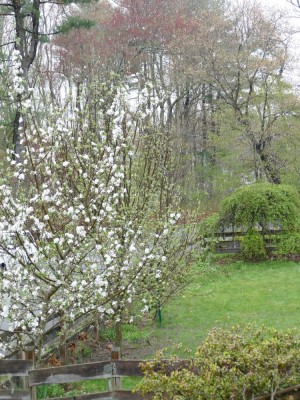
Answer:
[(267, 293), (89, 386)]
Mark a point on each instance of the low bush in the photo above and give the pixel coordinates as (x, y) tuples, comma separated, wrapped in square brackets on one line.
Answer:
[(208, 228), (253, 247), (238, 364), (50, 391), (289, 244)]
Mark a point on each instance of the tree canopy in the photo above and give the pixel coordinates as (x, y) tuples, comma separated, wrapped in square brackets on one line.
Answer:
[(261, 205)]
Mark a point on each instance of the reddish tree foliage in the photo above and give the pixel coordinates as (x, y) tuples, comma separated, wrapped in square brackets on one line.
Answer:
[(147, 22), (123, 33)]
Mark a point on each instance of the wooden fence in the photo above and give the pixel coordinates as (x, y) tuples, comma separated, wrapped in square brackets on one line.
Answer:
[(230, 242), (113, 370)]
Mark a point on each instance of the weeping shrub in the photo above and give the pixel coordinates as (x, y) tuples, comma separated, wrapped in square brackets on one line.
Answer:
[(289, 244), (262, 205), (253, 247), (208, 228)]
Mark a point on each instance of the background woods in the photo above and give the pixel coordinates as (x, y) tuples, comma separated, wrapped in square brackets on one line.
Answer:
[(122, 124)]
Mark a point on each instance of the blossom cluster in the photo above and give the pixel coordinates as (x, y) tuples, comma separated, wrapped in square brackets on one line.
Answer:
[(80, 235), (17, 72)]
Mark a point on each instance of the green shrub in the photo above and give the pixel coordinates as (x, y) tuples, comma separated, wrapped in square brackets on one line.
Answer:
[(262, 205), (209, 225), (82, 351), (50, 391), (289, 243), (230, 365), (208, 228), (253, 247)]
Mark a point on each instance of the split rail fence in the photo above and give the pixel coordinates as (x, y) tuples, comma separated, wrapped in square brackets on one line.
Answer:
[(230, 241), (30, 377), (113, 370)]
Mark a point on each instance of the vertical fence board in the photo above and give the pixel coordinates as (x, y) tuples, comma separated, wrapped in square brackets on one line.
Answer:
[(116, 382)]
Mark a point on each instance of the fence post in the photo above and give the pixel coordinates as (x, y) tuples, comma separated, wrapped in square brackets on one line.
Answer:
[(30, 355), (27, 355), (116, 382)]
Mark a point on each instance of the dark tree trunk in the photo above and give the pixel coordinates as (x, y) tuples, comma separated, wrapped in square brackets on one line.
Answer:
[(268, 164), (27, 38), (118, 335)]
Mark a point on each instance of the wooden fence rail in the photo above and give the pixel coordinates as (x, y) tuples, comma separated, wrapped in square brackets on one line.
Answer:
[(15, 368), (230, 241), (113, 369)]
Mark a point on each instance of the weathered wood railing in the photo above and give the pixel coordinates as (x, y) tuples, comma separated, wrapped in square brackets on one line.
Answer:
[(15, 368), (291, 393), (113, 369), (230, 241)]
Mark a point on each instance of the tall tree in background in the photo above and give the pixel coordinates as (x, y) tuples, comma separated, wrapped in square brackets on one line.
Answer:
[(199, 58), (242, 61), (142, 42), (24, 25)]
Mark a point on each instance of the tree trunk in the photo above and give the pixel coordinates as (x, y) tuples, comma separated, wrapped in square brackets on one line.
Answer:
[(17, 126), (118, 335), (27, 39), (268, 164)]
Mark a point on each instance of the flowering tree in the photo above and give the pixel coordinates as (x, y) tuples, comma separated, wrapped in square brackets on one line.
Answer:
[(86, 224)]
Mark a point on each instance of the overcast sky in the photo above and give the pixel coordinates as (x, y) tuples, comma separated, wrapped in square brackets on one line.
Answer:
[(293, 19), (272, 3), (292, 11)]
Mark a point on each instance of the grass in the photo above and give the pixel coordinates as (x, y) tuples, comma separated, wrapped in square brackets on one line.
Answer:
[(266, 293), (88, 386), (232, 293)]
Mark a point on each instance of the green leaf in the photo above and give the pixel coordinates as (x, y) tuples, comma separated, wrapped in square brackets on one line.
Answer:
[(44, 39), (75, 22)]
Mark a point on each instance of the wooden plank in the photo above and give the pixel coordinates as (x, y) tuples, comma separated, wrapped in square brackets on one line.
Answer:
[(15, 367), (70, 373), (281, 394), (118, 395), (89, 396), (229, 243), (228, 250), (231, 233), (14, 394), (128, 395), (132, 367), (128, 368), (116, 382)]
